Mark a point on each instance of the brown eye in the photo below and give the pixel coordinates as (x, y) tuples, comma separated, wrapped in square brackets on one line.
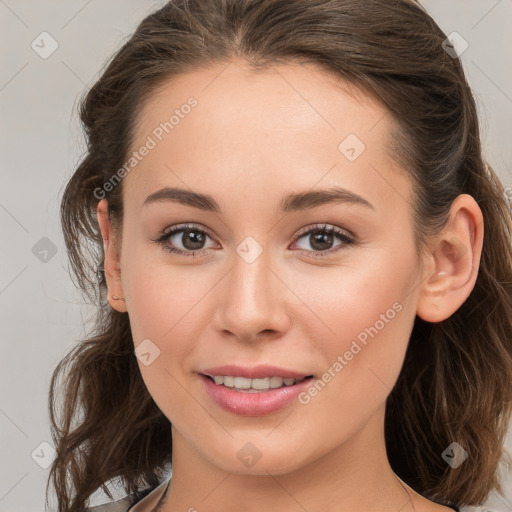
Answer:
[(193, 239), (187, 240), (321, 238)]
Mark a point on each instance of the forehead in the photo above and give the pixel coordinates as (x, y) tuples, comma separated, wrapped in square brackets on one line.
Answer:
[(300, 96), (289, 125)]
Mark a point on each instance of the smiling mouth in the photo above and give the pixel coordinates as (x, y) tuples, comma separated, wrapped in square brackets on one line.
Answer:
[(254, 385)]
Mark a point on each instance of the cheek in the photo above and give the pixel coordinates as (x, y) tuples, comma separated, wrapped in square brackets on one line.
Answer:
[(159, 294), (163, 320), (164, 307), (367, 312), (167, 305)]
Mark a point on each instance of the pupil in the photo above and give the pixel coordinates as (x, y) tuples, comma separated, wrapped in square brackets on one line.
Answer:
[(192, 240), (319, 238)]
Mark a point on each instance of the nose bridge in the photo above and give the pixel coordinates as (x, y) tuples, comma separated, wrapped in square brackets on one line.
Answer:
[(250, 279), (251, 293)]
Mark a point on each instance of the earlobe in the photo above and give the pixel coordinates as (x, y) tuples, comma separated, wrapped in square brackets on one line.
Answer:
[(112, 261), (456, 253)]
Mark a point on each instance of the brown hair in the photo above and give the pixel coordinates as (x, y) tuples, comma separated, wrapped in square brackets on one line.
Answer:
[(455, 381)]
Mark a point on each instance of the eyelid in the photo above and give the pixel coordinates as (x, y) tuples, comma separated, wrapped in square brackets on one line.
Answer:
[(347, 236), (184, 226), (163, 238), (327, 227)]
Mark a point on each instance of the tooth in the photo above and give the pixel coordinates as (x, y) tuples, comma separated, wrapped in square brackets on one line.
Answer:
[(260, 383), (275, 382), (242, 383), (254, 385), (229, 381)]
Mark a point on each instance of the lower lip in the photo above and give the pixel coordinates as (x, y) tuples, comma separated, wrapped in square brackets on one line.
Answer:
[(253, 404)]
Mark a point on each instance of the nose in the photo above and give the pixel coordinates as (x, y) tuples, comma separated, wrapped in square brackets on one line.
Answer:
[(252, 301)]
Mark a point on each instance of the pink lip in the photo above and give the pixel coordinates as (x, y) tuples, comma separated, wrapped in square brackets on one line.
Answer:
[(253, 372), (260, 403)]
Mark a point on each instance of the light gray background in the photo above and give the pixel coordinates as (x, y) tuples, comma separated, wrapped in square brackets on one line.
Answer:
[(40, 311)]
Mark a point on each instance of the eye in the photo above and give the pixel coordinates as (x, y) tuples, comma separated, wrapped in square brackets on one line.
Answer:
[(193, 238), (321, 238)]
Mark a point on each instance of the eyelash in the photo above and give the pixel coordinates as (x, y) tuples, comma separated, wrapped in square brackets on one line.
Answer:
[(347, 239)]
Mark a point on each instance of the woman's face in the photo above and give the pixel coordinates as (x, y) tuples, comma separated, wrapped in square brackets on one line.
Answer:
[(266, 147)]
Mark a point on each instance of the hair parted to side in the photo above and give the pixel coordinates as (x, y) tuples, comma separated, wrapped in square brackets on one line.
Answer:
[(455, 385)]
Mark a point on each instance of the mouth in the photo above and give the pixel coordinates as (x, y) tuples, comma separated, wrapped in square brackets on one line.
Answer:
[(256, 396), (256, 385)]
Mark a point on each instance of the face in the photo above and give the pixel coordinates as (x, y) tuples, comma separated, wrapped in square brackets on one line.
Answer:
[(313, 287)]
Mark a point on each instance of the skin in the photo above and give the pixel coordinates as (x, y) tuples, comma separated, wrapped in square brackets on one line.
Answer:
[(253, 138)]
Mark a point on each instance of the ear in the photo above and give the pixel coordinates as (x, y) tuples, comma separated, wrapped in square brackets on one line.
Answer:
[(454, 256), (112, 259)]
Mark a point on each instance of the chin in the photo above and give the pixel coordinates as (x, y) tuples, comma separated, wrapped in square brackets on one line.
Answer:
[(257, 458)]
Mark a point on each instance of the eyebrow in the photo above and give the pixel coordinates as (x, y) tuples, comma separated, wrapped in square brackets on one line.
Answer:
[(290, 203)]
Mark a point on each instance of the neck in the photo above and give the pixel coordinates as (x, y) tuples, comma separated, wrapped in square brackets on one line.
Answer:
[(354, 476)]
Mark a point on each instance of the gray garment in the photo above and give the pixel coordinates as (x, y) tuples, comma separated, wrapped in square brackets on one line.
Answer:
[(129, 502), (122, 505)]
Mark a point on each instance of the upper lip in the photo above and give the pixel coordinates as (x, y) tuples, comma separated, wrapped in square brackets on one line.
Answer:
[(253, 372)]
